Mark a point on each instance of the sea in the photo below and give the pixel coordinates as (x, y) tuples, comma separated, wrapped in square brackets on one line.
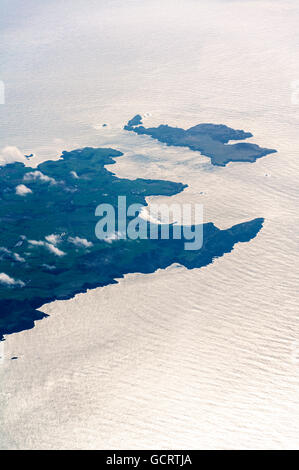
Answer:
[(179, 359)]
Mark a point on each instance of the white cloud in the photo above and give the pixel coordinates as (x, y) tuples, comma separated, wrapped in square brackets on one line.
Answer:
[(4, 250), (55, 250), (38, 175), (37, 242), (19, 258), (80, 242), (112, 237), (74, 174), (53, 239), (22, 190), (49, 246), (11, 255), (48, 266), (10, 281), (11, 154)]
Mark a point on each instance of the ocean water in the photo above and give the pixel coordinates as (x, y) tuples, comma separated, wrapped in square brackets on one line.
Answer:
[(206, 358)]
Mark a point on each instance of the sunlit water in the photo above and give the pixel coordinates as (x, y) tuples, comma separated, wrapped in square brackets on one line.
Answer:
[(207, 358)]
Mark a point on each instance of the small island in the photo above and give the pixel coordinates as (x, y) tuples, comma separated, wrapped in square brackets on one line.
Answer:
[(209, 139)]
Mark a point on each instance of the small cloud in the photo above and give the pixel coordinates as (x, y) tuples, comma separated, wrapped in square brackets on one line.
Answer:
[(80, 242), (11, 154), (112, 237), (49, 246), (19, 258), (55, 250), (37, 242), (10, 281), (22, 190), (48, 266), (21, 240), (53, 239), (4, 250), (38, 176), (7, 254), (74, 174)]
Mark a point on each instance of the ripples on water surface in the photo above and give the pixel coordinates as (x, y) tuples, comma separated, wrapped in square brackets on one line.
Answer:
[(178, 359)]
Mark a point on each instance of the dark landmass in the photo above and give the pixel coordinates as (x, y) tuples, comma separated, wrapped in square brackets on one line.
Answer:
[(36, 269), (135, 121), (209, 139)]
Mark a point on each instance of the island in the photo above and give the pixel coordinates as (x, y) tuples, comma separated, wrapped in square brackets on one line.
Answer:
[(210, 140), (48, 246)]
